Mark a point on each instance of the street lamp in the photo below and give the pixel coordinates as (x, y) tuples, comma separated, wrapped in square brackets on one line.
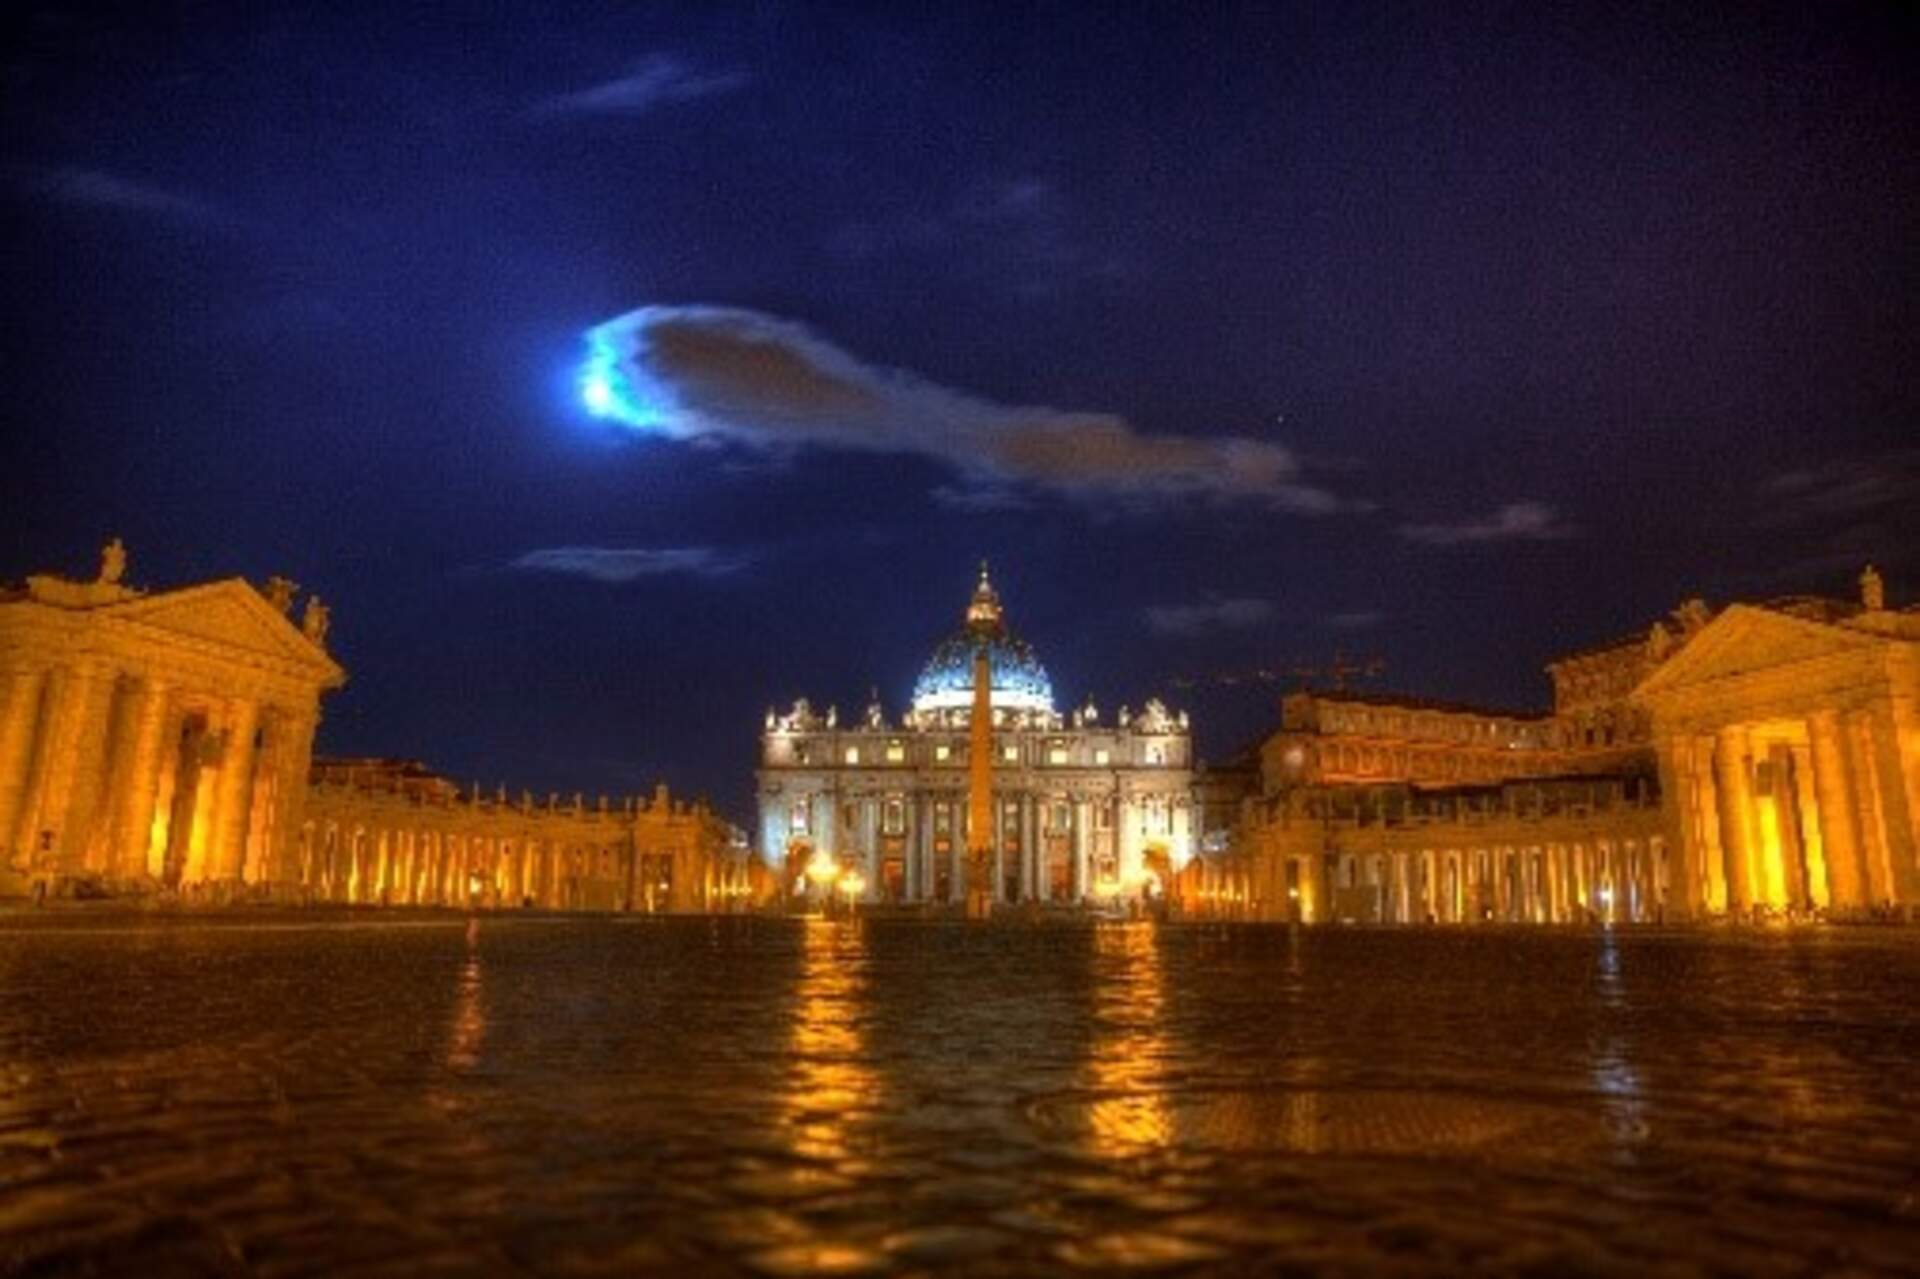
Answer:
[(822, 870), (853, 883)]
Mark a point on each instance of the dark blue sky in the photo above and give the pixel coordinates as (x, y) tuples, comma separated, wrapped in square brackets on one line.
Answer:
[(1457, 335)]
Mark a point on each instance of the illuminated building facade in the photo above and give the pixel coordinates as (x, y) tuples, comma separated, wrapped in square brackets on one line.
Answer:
[(1764, 761), (390, 832), (162, 743), (155, 738), (1081, 811)]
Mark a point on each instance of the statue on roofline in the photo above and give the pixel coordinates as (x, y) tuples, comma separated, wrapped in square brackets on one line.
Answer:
[(1873, 589), (113, 562), (279, 592), (315, 619), (1692, 615)]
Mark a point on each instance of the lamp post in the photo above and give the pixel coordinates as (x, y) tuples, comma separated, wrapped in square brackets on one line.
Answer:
[(822, 871), (852, 884)]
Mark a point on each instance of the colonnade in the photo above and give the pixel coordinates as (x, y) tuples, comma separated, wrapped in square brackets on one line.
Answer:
[(1545, 881), (363, 847), (121, 773), (1793, 815)]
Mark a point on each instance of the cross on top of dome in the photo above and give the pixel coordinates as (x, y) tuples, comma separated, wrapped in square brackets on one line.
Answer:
[(984, 617)]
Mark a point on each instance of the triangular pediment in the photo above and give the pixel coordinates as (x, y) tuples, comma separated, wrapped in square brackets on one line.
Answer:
[(1744, 640), (229, 614)]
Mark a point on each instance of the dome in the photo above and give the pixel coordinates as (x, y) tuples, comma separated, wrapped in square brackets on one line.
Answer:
[(1019, 682)]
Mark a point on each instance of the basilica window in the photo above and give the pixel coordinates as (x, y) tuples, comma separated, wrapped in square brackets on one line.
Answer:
[(942, 752), (942, 819), (1061, 817), (1056, 752), (1010, 753), (1102, 756), (1156, 754), (896, 753), (853, 755), (896, 817), (800, 814)]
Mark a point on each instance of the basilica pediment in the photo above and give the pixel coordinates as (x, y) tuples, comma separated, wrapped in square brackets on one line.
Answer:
[(229, 615), (1745, 641)]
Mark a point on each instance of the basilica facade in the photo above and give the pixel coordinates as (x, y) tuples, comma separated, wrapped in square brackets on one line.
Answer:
[(1083, 809)]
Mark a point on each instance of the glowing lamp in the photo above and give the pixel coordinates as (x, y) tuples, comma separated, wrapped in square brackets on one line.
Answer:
[(821, 870)]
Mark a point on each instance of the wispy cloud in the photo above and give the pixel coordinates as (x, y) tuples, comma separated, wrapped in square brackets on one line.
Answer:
[(655, 81), (1018, 228), (98, 189), (980, 499), (630, 563), (1211, 615), (1515, 522), (752, 380), (1842, 488)]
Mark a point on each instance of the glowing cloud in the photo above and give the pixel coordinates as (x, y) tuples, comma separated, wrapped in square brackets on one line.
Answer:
[(755, 381)]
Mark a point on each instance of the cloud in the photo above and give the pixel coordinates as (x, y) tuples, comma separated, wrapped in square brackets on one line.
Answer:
[(97, 189), (1842, 488), (655, 81), (724, 376), (1214, 615), (1515, 522), (630, 563), (980, 499)]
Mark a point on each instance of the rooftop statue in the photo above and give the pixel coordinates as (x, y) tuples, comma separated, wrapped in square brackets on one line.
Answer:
[(315, 620), (279, 592), (113, 562), (1873, 590)]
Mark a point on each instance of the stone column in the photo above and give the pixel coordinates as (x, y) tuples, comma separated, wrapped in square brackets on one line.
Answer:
[(1030, 856), (1081, 814), (1899, 777), (1126, 837), (71, 788), (296, 765), (134, 827), (1676, 803), (1869, 812), (1736, 816), (235, 795), (913, 809), (19, 727)]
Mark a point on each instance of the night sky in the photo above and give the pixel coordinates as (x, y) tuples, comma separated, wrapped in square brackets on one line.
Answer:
[(1456, 336)]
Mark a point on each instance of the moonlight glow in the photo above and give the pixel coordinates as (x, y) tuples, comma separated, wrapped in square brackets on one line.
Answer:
[(608, 387)]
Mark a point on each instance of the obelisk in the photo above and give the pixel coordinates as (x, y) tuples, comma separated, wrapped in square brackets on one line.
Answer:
[(983, 620)]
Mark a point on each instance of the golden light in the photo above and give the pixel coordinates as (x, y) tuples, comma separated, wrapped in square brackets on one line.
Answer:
[(821, 869), (853, 883)]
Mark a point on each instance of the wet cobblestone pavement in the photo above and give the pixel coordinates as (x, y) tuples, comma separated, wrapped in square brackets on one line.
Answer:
[(381, 1095)]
